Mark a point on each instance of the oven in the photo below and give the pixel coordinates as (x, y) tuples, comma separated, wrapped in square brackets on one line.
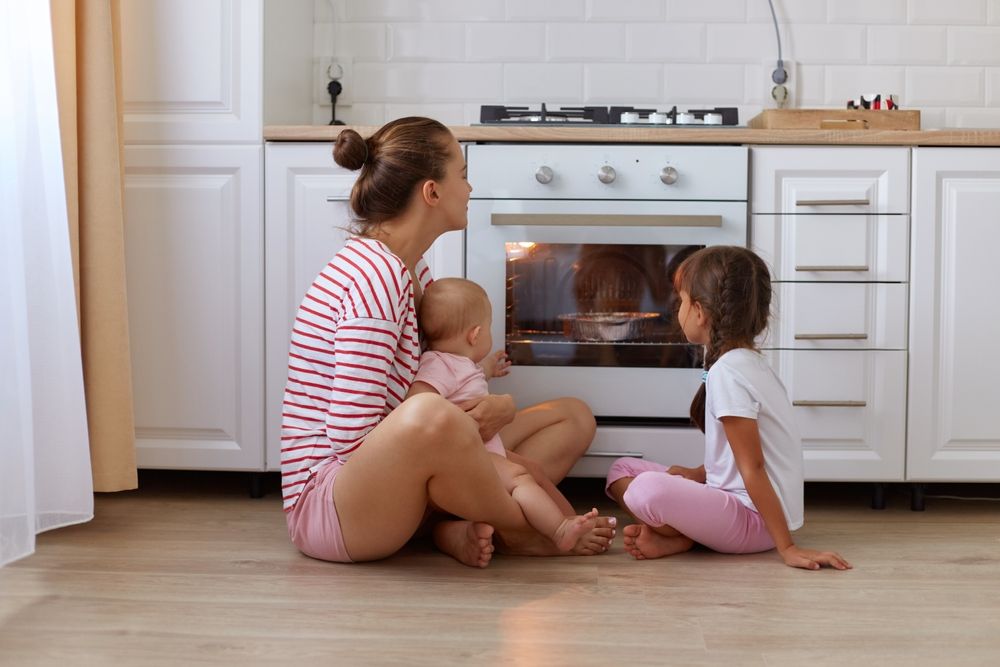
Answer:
[(576, 246)]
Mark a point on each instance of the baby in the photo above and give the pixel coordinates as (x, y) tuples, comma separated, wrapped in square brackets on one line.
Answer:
[(455, 317)]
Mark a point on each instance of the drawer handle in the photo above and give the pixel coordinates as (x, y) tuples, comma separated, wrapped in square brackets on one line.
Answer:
[(339, 198), (832, 336), (832, 202), (634, 455), (829, 404), (831, 267)]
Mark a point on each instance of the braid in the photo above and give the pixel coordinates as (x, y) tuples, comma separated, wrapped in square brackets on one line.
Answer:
[(733, 287)]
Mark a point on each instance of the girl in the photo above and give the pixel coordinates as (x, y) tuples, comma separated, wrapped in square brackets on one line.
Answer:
[(360, 468), (747, 497)]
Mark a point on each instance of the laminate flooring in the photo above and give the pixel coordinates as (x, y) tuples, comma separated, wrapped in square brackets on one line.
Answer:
[(190, 570)]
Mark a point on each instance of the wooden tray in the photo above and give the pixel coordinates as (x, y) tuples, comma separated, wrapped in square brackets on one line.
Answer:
[(835, 119)]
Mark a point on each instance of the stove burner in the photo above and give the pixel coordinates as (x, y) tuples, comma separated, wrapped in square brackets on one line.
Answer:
[(615, 115)]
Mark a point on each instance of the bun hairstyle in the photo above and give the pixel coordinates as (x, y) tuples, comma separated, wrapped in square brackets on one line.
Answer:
[(733, 287), (393, 161)]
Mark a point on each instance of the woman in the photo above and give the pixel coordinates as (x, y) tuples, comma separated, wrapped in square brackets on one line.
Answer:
[(361, 468)]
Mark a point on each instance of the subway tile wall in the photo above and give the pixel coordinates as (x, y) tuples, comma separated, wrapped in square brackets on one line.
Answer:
[(445, 58)]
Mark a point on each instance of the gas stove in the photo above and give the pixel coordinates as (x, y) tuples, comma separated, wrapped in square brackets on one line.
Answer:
[(590, 116)]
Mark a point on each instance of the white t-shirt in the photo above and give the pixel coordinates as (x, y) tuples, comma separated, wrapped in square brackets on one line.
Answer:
[(742, 384)]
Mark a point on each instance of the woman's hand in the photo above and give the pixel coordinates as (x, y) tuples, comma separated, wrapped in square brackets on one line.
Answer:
[(495, 365), (492, 412), (694, 474), (810, 559)]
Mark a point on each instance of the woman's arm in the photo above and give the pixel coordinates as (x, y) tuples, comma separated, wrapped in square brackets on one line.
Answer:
[(744, 439), (492, 412)]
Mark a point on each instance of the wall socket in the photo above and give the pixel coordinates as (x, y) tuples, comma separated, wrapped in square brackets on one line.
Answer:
[(786, 95), (327, 68)]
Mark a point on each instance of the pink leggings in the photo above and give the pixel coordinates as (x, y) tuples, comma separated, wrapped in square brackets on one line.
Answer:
[(707, 515)]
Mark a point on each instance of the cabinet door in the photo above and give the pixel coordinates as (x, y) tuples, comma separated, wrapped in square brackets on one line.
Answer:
[(850, 407), (308, 220), (810, 180), (194, 264), (954, 433), (191, 71)]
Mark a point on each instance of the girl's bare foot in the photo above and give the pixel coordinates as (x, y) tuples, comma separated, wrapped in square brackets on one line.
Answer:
[(642, 542), (573, 528), (598, 539), (468, 542)]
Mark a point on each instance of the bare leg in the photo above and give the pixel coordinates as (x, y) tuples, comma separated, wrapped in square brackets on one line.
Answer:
[(643, 541), (555, 434), (407, 454), (544, 515)]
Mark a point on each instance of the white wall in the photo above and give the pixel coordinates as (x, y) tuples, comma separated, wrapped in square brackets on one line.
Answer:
[(444, 58), (288, 62)]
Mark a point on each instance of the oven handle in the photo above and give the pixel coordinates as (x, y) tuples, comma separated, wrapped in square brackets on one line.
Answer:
[(608, 455), (591, 220)]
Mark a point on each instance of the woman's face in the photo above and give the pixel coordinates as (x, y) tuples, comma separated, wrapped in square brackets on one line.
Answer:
[(454, 189)]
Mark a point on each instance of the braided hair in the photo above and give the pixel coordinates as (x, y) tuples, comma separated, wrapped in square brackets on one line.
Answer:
[(733, 287)]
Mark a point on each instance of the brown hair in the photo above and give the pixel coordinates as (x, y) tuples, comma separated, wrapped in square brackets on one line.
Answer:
[(733, 287), (392, 161), (450, 306)]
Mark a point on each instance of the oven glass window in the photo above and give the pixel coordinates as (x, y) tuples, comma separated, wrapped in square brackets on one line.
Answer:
[(595, 305)]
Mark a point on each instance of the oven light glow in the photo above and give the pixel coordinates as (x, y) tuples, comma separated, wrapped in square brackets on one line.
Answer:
[(518, 250)]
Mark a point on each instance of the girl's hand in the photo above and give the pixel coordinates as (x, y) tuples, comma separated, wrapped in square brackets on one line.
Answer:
[(694, 474), (810, 559), (492, 412), (495, 365)]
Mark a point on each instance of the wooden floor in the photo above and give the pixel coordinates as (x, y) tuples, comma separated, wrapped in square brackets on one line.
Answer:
[(190, 570)]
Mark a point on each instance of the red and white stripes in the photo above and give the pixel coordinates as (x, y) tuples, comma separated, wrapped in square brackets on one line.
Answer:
[(353, 354)]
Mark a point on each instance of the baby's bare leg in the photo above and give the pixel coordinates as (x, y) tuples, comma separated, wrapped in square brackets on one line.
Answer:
[(540, 509)]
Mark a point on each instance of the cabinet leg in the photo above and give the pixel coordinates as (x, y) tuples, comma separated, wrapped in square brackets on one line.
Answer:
[(256, 485), (878, 496), (917, 499)]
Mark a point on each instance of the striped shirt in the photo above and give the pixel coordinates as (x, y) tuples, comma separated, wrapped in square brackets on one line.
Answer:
[(354, 351)]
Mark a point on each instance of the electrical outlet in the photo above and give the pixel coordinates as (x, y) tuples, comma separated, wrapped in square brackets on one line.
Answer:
[(327, 69), (780, 95)]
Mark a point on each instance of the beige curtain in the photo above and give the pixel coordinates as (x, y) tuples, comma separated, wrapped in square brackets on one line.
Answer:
[(87, 42)]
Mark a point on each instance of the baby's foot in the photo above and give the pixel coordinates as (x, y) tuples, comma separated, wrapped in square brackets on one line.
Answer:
[(468, 542), (573, 528), (598, 539), (642, 542)]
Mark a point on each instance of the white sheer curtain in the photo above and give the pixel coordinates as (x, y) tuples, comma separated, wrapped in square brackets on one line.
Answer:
[(45, 479)]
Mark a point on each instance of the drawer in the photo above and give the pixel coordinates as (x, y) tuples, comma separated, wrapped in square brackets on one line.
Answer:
[(839, 247), (679, 445), (847, 316), (830, 180), (850, 407)]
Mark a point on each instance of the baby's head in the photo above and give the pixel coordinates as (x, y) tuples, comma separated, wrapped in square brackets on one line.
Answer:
[(455, 316)]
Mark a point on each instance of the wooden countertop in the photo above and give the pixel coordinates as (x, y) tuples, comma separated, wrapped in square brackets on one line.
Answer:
[(663, 135)]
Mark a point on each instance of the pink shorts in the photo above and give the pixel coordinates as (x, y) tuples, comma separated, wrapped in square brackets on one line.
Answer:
[(707, 515), (495, 445), (313, 523)]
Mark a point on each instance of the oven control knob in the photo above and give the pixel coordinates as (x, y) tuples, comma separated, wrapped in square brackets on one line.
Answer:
[(543, 175), (606, 174), (668, 175)]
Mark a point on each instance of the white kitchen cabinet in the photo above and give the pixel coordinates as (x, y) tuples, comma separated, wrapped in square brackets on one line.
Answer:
[(308, 220), (833, 225), (954, 386), (194, 273), (192, 71)]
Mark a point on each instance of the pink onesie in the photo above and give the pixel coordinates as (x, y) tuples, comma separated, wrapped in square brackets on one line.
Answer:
[(458, 379)]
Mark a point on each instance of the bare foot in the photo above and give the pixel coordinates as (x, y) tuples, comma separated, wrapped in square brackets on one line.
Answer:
[(573, 528), (468, 542), (642, 542), (598, 539)]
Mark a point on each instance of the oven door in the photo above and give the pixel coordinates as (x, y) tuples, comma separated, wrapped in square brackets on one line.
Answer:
[(583, 299)]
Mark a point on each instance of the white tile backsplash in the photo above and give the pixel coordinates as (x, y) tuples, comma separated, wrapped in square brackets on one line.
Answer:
[(444, 58)]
